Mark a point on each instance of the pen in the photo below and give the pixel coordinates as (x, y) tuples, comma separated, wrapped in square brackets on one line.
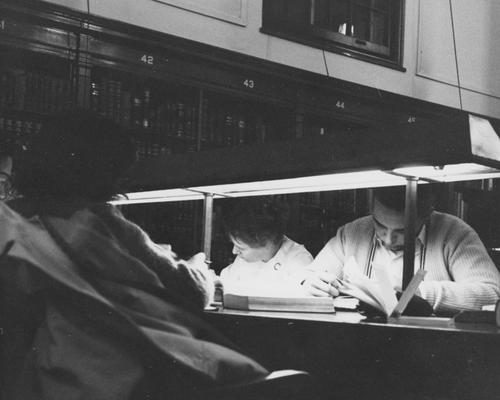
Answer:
[(339, 283)]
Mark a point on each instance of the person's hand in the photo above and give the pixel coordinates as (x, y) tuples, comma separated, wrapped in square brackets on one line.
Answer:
[(198, 271), (219, 287), (198, 262), (321, 285)]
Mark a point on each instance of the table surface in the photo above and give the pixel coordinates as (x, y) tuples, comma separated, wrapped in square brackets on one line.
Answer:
[(423, 358), (352, 317)]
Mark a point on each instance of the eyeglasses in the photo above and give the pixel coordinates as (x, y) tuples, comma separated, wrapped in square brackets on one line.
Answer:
[(6, 189)]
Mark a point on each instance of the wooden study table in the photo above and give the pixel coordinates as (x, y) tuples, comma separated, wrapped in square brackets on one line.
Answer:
[(355, 359)]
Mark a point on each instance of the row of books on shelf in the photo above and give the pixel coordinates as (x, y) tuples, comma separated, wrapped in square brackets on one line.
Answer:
[(137, 107), (174, 223), (344, 200), (166, 115), (16, 134), (33, 91), (176, 117), (19, 126), (150, 148), (108, 98), (225, 128)]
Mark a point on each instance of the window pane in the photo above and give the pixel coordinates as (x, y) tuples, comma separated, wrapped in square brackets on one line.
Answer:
[(276, 8), (370, 25), (340, 16), (321, 17), (361, 23), (382, 5), (366, 29), (380, 28)]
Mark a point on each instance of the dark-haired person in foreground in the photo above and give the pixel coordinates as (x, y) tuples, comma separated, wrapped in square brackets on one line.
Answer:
[(265, 256), (91, 308), (460, 274)]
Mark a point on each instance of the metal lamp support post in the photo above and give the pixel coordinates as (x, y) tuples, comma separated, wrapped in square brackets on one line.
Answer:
[(208, 205), (410, 225)]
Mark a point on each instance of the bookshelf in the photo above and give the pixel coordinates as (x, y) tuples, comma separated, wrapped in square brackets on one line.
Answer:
[(174, 223), (163, 118), (32, 86)]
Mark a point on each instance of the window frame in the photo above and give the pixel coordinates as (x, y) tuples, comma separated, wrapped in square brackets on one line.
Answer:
[(390, 56)]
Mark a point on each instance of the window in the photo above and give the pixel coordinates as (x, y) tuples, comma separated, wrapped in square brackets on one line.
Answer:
[(371, 30)]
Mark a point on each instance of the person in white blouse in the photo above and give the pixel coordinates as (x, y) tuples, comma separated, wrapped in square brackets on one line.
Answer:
[(460, 275), (266, 259)]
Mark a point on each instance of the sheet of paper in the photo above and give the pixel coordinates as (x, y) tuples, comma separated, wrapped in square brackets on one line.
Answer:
[(387, 292)]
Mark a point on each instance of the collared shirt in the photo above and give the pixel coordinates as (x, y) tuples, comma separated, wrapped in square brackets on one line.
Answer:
[(260, 276), (392, 261)]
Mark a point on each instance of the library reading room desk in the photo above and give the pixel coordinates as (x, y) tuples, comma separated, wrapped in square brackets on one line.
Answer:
[(354, 359)]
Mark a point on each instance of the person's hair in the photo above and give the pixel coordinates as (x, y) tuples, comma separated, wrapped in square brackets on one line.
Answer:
[(256, 221), (76, 155), (394, 198)]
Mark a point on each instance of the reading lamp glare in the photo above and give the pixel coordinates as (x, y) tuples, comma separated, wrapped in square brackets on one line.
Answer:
[(340, 181)]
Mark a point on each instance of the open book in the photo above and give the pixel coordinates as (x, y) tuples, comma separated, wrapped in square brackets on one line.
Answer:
[(377, 294)]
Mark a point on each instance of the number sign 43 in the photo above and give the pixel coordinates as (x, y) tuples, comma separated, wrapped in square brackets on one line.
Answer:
[(249, 83)]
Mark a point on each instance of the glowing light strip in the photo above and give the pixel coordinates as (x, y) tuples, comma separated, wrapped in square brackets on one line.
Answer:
[(319, 183), (157, 196), (341, 181)]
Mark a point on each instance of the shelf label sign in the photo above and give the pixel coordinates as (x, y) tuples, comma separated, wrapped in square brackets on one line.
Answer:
[(412, 119), (147, 59), (340, 104), (2, 24), (249, 83)]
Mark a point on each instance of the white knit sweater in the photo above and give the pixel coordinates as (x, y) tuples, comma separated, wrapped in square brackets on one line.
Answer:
[(460, 273)]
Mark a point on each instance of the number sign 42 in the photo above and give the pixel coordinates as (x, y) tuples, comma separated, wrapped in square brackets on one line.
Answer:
[(148, 59)]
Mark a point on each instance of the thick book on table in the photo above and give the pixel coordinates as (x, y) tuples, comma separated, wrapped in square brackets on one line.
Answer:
[(377, 294), (269, 303)]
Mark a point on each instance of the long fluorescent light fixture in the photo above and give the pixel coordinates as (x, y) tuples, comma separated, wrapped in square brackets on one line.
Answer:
[(319, 183), (340, 181), (157, 196)]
